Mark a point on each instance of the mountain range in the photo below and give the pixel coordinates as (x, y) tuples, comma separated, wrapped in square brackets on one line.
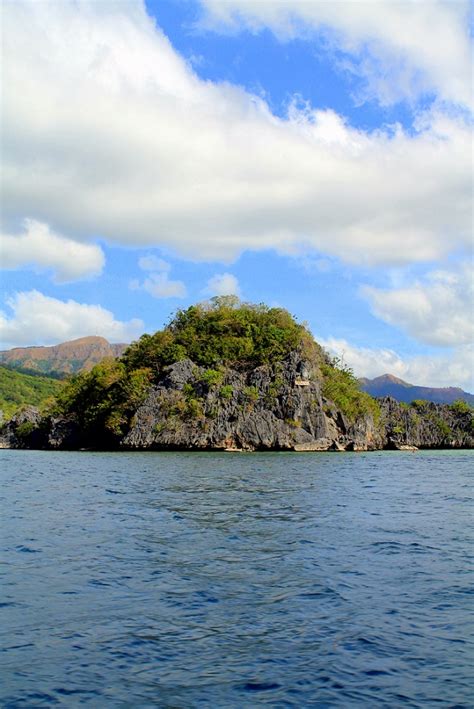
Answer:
[(388, 385)]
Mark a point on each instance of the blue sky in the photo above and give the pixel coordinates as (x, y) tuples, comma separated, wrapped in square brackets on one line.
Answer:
[(312, 155)]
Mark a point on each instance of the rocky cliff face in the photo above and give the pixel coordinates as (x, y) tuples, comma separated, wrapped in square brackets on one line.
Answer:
[(23, 430), (276, 407), (426, 425), (270, 407)]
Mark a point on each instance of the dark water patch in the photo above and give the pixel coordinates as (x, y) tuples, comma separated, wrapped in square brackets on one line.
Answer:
[(23, 549)]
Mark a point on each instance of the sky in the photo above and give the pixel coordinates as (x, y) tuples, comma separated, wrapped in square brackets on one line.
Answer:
[(309, 154)]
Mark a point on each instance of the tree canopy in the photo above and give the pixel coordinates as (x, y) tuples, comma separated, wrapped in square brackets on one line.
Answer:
[(217, 334), (222, 331)]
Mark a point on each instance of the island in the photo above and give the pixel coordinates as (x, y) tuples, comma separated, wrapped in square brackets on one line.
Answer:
[(233, 376)]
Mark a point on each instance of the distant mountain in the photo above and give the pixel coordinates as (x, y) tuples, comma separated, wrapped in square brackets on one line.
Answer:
[(388, 385), (61, 360)]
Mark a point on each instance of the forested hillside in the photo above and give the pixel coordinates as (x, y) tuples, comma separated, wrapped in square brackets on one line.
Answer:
[(17, 390)]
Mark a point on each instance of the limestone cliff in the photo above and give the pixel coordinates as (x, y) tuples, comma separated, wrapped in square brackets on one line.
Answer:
[(268, 407), (277, 407), (230, 375), (425, 424)]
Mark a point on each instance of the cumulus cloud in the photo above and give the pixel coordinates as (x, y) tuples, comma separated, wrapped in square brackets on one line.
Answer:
[(37, 319), (142, 152), (451, 368), (157, 283), (436, 311), (402, 48), (153, 263), (38, 247), (223, 284)]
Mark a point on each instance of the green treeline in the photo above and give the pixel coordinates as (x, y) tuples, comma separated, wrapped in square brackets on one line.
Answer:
[(224, 332)]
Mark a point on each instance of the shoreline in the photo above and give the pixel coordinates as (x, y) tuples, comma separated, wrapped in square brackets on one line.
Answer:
[(290, 451)]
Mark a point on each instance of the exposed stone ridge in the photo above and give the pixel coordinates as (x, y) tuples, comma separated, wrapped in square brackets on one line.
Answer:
[(270, 407)]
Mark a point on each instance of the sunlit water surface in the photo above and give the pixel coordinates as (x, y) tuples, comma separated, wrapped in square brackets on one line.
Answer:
[(236, 580)]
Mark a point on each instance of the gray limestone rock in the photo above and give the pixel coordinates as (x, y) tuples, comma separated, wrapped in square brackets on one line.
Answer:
[(270, 407), (23, 430)]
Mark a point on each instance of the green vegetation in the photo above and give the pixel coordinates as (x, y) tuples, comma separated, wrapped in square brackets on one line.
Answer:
[(104, 399), (226, 391), (193, 404), (25, 429), (419, 404), (18, 390), (443, 428), (212, 377), (460, 407), (251, 393), (218, 334), (275, 387), (225, 332), (341, 386)]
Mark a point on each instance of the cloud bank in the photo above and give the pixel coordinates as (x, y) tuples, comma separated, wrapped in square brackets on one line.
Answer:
[(451, 368), (403, 48), (113, 135), (40, 248), (38, 319), (437, 311)]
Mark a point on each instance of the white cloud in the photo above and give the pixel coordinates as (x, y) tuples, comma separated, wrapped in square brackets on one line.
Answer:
[(223, 284), (402, 47), (153, 263), (42, 320), (160, 286), (451, 368), (437, 311), (112, 134), (40, 248), (157, 283)]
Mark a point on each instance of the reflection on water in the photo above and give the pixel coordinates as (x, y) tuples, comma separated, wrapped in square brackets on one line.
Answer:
[(235, 580)]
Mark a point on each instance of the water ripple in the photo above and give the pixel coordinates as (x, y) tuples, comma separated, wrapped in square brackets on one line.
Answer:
[(182, 580)]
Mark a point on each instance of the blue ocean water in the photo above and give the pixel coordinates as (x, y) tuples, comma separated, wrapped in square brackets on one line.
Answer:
[(236, 580)]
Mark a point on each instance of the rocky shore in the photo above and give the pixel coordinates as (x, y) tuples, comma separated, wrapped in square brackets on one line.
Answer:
[(268, 407)]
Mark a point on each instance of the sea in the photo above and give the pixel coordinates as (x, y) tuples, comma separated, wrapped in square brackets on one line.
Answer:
[(236, 580)]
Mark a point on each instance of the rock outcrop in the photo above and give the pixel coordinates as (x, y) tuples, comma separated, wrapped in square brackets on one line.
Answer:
[(426, 425), (277, 407), (269, 407), (23, 430)]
